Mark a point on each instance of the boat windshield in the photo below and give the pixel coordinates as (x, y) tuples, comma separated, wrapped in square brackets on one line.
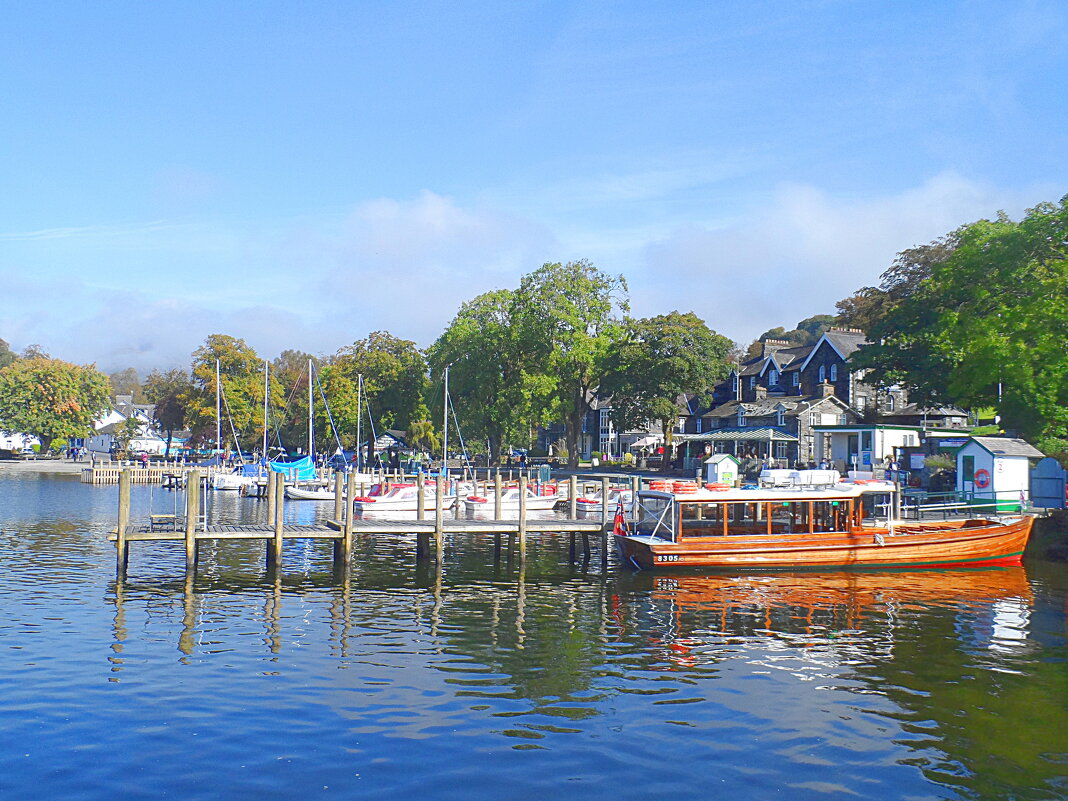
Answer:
[(748, 518)]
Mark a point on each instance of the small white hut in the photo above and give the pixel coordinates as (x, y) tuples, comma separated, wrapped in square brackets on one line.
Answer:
[(722, 468), (996, 469)]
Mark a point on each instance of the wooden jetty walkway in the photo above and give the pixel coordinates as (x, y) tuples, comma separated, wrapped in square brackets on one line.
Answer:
[(192, 529)]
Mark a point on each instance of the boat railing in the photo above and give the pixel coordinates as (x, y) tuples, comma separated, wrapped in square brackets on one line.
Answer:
[(949, 505)]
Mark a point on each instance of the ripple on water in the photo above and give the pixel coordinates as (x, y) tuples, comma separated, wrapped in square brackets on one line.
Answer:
[(482, 683)]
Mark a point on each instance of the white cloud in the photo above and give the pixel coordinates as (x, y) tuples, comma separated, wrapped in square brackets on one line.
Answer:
[(803, 252), (407, 266)]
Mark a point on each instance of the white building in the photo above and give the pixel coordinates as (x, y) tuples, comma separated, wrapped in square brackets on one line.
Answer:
[(996, 469)]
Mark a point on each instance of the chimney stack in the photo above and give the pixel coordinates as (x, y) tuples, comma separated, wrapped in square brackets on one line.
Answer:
[(770, 346), (826, 389), (761, 392)]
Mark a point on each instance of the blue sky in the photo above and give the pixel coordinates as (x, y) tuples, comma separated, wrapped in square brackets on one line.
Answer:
[(300, 174)]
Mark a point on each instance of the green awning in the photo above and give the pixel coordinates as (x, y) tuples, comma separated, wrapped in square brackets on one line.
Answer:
[(735, 434)]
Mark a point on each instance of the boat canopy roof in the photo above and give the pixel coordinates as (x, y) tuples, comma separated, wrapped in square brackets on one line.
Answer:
[(772, 494)]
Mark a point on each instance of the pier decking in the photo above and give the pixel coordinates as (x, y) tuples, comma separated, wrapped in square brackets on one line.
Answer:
[(429, 528)]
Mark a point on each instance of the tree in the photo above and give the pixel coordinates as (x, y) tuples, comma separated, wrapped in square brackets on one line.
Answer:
[(127, 382), (979, 319), (806, 332), (394, 374), (241, 374), (51, 399), (863, 309), (567, 318), (170, 392), (487, 375), (6, 354), (658, 360)]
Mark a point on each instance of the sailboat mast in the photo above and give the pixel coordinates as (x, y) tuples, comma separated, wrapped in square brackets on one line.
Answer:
[(359, 419), (311, 433), (266, 393), (445, 430), (218, 412)]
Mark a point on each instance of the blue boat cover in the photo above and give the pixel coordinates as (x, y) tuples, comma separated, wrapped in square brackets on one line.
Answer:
[(300, 470)]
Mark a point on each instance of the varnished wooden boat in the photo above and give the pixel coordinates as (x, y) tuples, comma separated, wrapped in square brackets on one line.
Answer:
[(792, 529)]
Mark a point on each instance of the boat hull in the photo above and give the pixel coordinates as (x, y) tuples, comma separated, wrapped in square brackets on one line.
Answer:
[(967, 544)]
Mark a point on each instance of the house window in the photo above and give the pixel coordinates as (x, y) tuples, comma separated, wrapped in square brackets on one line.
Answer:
[(843, 419), (889, 403), (862, 402), (834, 372), (822, 373), (741, 418), (737, 385), (752, 382), (699, 421), (796, 379), (773, 377), (682, 424), (780, 418), (814, 418), (780, 450)]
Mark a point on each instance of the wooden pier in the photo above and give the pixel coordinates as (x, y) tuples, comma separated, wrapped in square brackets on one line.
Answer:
[(191, 528)]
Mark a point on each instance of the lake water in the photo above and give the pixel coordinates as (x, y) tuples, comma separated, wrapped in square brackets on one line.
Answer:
[(481, 681)]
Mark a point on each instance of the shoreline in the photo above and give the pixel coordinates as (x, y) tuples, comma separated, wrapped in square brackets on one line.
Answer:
[(41, 466)]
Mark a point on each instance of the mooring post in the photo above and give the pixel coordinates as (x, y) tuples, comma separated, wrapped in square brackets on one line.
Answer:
[(346, 529), (572, 497), (439, 520), (122, 553), (338, 499), (192, 513), (420, 499), (270, 496), (604, 501), (497, 495), (522, 519), (275, 548)]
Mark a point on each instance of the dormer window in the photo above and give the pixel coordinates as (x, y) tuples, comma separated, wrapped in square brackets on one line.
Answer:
[(741, 417), (834, 372), (780, 417), (752, 382), (737, 386), (823, 373), (773, 377), (796, 379)]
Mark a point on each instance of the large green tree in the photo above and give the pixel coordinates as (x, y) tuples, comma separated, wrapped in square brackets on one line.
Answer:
[(567, 317), (395, 378), (241, 375), (169, 391), (981, 319), (657, 361), (6, 354), (51, 399), (488, 373)]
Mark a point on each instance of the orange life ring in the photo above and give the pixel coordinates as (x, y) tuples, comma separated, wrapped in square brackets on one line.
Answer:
[(982, 478)]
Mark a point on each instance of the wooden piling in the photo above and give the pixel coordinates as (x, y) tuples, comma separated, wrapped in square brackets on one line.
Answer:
[(274, 548), (192, 517), (572, 497), (497, 495), (604, 501), (338, 499), (522, 519), (122, 554), (270, 496), (439, 521), (420, 500)]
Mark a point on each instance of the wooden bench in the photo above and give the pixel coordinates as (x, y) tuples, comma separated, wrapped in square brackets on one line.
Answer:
[(163, 522)]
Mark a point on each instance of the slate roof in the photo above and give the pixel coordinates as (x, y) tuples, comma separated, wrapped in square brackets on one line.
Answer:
[(847, 342), (1007, 446), (762, 408)]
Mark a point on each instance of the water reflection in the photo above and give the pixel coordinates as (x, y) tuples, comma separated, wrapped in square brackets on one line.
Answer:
[(948, 684)]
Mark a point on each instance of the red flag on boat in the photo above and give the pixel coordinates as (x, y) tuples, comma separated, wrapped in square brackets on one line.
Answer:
[(620, 526)]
